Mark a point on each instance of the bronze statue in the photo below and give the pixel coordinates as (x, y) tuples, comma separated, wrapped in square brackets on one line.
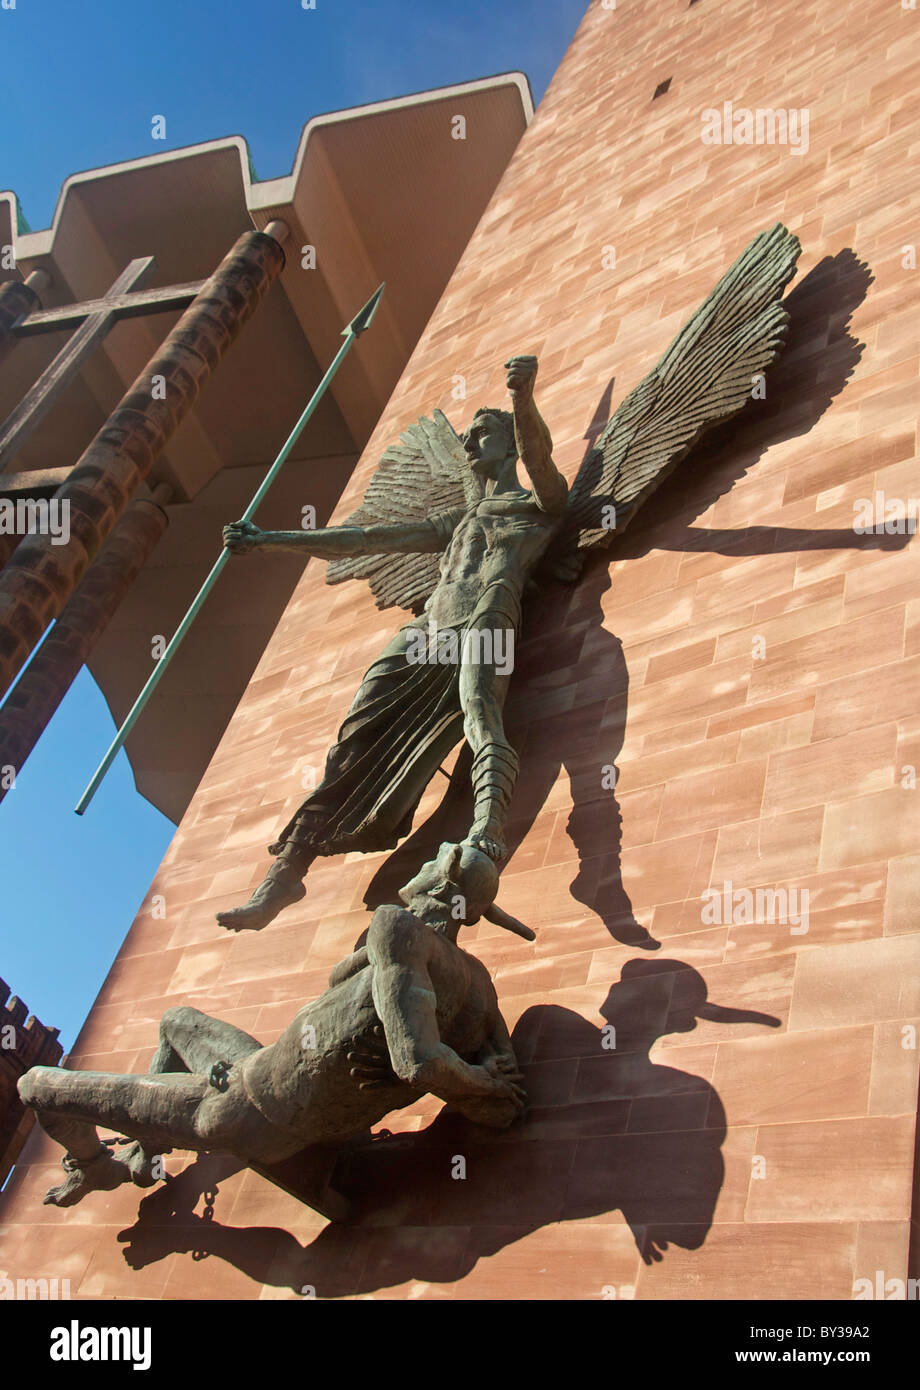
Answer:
[(437, 495), (445, 527), (407, 1014)]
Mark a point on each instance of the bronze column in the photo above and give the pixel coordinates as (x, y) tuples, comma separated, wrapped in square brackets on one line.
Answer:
[(17, 299), (7, 545), (40, 577), (81, 622)]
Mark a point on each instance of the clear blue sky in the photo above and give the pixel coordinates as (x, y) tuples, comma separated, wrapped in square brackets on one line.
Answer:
[(82, 80)]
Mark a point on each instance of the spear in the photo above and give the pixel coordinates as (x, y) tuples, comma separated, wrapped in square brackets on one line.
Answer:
[(359, 323)]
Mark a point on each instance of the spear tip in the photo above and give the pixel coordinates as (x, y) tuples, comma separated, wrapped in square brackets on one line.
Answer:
[(364, 317)]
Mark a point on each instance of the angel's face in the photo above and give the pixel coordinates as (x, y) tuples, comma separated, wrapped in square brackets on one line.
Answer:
[(486, 445)]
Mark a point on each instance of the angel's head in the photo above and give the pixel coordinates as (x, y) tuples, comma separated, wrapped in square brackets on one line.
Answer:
[(489, 442), (456, 889)]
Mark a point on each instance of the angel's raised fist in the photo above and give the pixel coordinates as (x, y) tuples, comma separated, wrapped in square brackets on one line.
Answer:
[(521, 372)]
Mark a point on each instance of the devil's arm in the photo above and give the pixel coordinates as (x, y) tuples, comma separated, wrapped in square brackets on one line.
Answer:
[(498, 1046), (406, 1004)]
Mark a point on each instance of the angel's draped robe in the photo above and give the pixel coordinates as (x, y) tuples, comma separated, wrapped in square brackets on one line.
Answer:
[(406, 715)]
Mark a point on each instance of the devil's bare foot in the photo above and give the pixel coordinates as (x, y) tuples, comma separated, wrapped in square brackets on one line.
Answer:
[(273, 895), (101, 1174), (145, 1169)]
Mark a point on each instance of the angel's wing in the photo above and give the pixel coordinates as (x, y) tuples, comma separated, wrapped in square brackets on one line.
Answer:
[(706, 375), (426, 472)]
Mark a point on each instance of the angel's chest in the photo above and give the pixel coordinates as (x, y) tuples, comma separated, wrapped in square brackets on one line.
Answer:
[(485, 532)]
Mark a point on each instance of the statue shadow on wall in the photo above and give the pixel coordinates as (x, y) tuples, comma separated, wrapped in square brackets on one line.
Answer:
[(564, 633), (607, 1129)]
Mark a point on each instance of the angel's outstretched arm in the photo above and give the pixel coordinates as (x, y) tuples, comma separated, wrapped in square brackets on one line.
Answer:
[(338, 542), (534, 442)]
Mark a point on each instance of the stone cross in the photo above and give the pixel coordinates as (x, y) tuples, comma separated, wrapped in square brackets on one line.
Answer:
[(92, 321)]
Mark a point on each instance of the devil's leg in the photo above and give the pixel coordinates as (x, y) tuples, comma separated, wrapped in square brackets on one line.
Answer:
[(190, 1041), (158, 1110), (193, 1041)]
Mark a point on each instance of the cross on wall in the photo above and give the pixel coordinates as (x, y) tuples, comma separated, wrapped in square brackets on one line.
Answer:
[(91, 322)]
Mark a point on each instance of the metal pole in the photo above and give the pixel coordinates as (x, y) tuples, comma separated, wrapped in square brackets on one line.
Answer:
[(359, 323)]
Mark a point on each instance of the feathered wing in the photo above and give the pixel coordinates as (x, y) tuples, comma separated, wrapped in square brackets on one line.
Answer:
[(705, 376), (426, 472)]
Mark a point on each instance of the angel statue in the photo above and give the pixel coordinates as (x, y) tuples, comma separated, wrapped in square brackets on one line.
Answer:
[(446, 526)]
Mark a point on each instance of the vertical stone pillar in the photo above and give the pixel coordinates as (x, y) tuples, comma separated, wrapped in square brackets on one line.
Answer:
[(7, 546), (81, 622), (40, 577), (17, 299)]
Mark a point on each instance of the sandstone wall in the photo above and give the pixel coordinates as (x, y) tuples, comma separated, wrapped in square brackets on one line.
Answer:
[(754, 1160)]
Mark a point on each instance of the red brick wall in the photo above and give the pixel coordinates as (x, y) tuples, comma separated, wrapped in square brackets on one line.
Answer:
[(768, 764), (24, 1043)]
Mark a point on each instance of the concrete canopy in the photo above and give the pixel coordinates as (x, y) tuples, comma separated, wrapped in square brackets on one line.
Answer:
[(382, 192)]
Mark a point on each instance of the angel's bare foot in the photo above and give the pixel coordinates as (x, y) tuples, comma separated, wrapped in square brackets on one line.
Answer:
[(100, 1174), (280, 889), (486, 834), (493, 774)]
